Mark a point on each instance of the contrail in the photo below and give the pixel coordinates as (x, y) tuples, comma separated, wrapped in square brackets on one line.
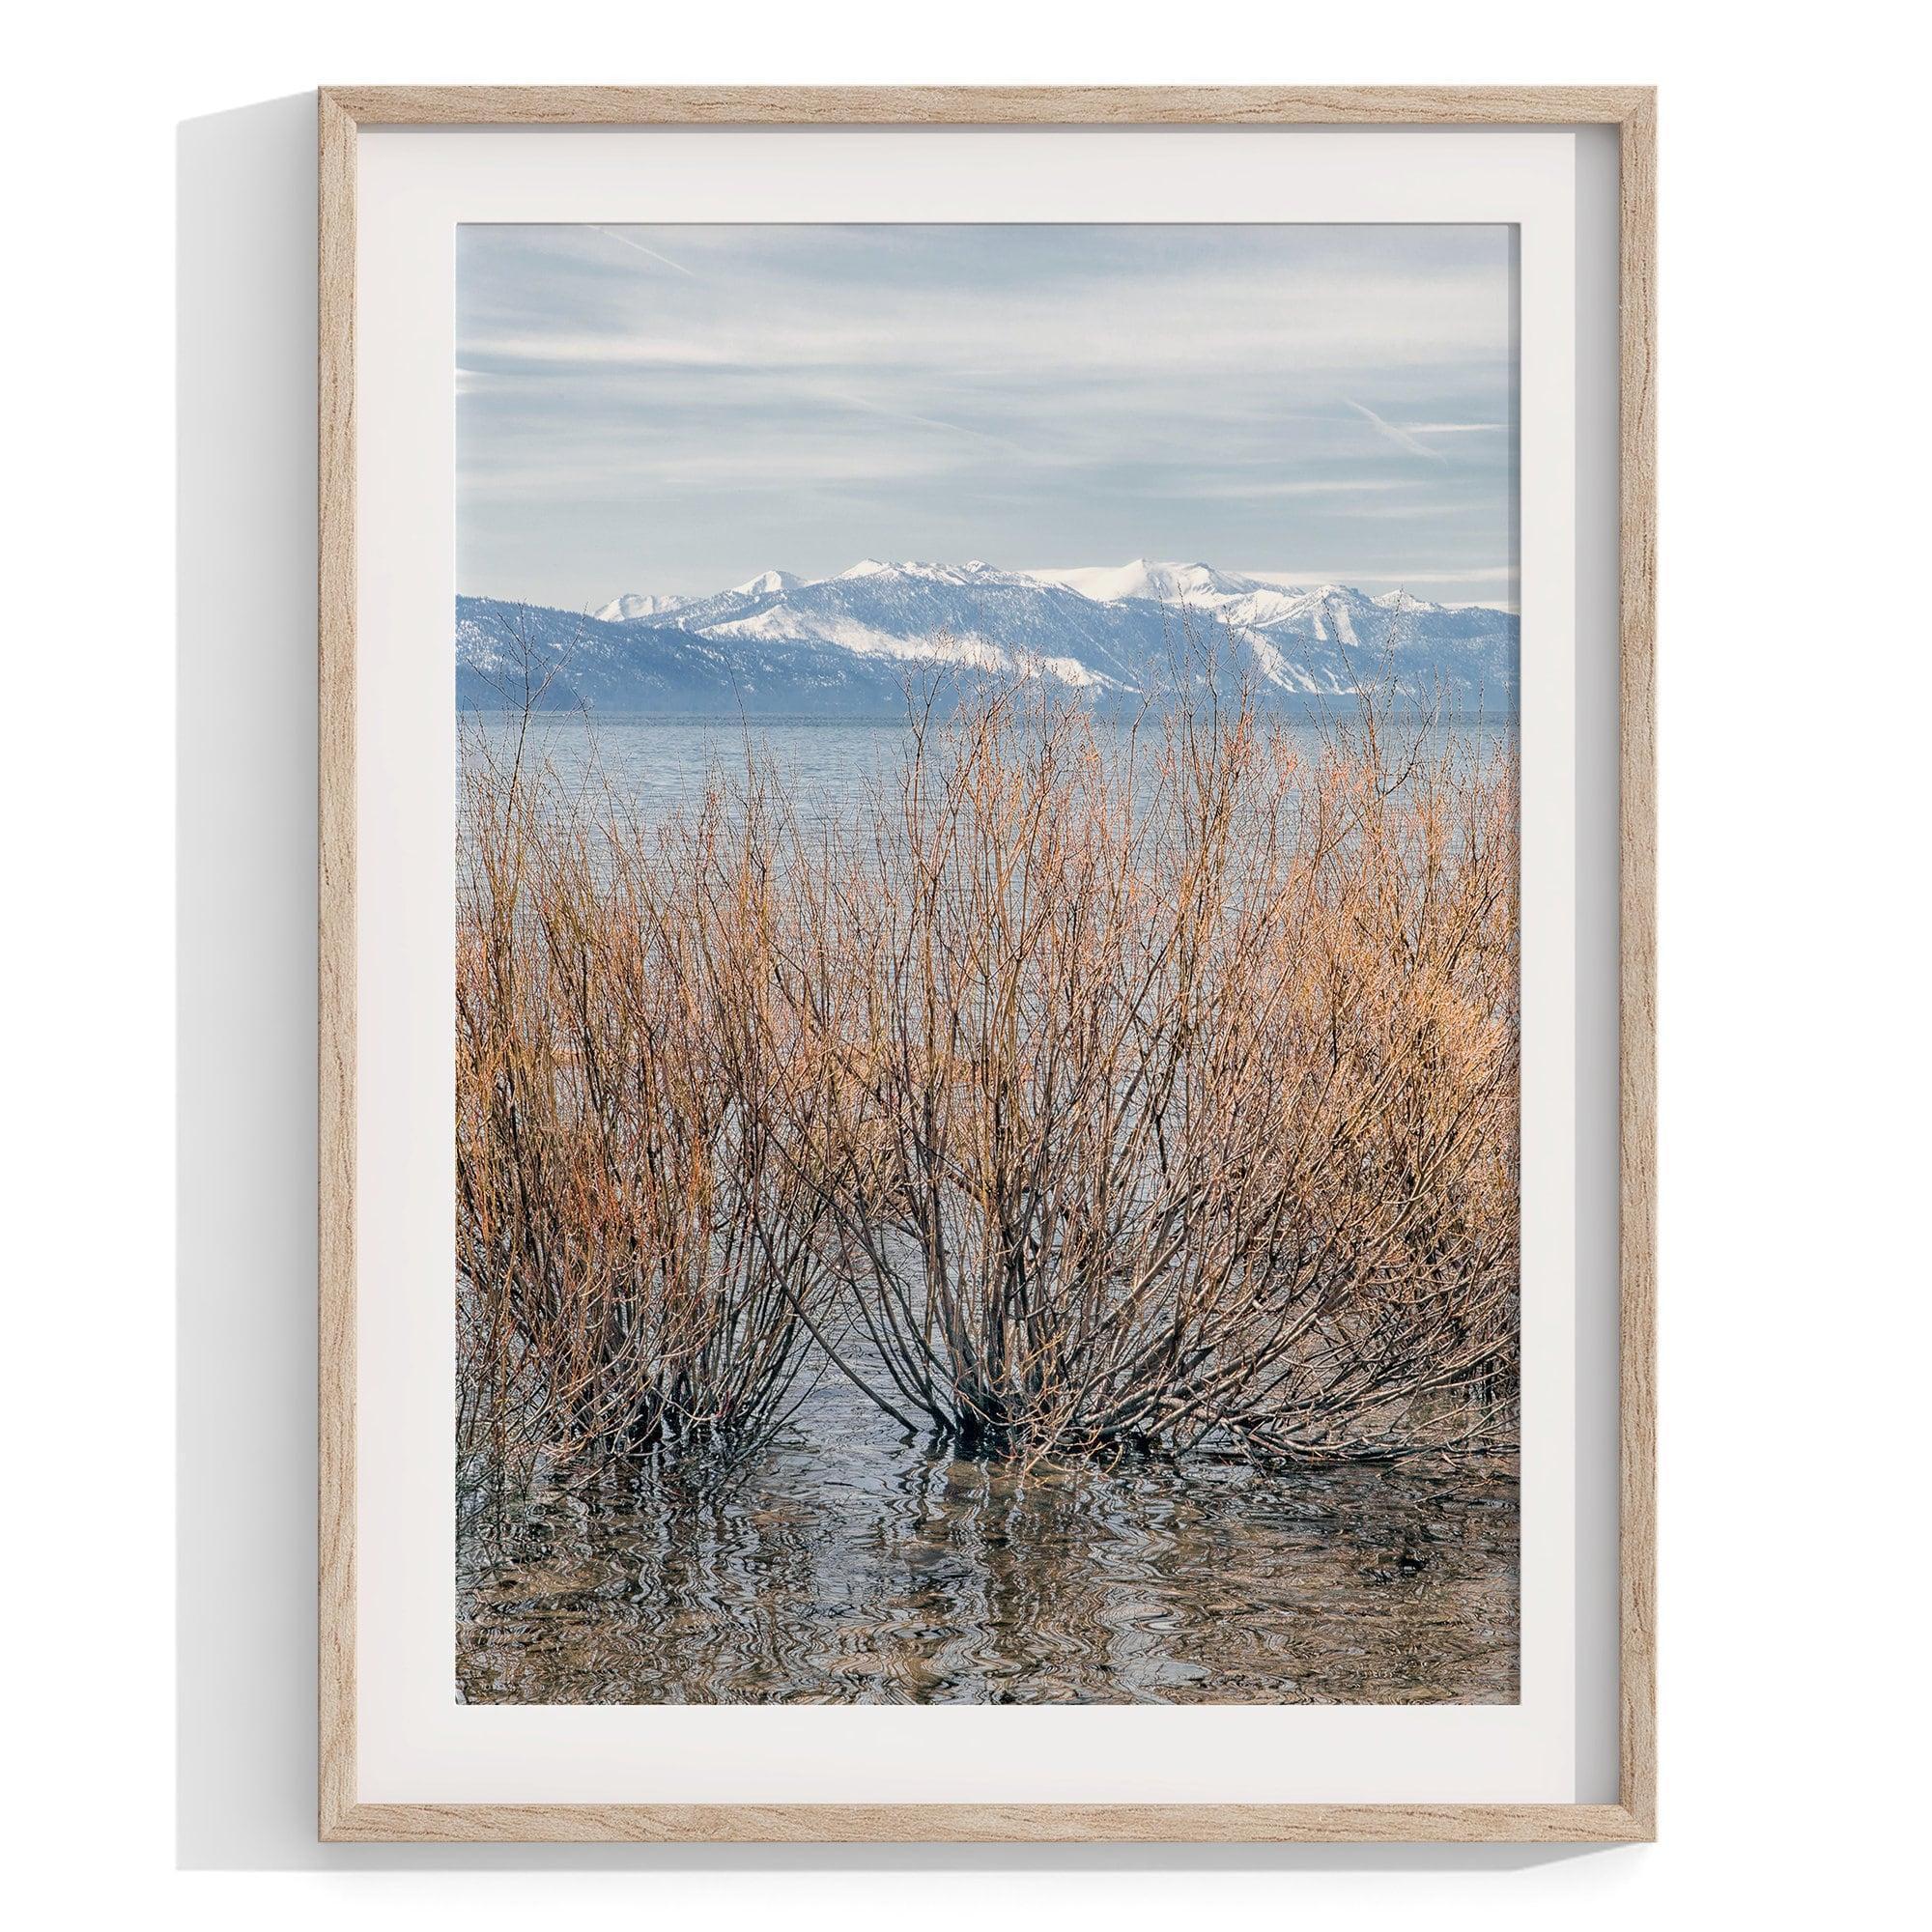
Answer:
[(1394, 435), (642, 250)]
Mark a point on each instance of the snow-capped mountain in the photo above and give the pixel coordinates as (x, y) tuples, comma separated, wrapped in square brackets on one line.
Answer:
[(628, 609), (1162, 582), (844, 644)]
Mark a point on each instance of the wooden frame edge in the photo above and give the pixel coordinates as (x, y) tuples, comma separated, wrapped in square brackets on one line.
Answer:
[(335, 1060), (979, 106), (341, 1817), (987, 1824), (1636, 1108)]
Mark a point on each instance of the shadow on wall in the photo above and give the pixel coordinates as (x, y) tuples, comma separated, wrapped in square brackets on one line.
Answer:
[(246, 907)]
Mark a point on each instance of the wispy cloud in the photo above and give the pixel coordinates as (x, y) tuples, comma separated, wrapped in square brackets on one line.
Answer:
[(922, 423), (1399, 437), (1240, 490), (674, 407), (653, 253)]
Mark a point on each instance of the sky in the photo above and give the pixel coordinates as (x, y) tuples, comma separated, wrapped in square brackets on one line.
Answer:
[(674, 410)]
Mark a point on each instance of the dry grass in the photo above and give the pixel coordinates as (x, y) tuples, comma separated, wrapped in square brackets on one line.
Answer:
[(1098, 1089)]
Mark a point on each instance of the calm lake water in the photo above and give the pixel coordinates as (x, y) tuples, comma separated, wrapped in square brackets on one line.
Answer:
[(655, 764), (846, 1562)]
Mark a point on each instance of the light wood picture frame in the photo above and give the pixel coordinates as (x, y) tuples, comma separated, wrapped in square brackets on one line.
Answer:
[(343, 112)]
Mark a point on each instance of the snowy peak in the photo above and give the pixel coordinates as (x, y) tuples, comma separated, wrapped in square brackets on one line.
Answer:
[(631, 608), (1157, 582), (976, 570), (843, 641), (767, 583), (1328, 614)]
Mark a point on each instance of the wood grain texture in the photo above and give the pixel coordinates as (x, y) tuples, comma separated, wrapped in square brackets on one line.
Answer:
[(335, 567), (997, 1824), (981, 106), (342, 1816), (1637, 804)]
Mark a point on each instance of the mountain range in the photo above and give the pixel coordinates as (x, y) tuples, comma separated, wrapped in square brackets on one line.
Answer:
[(844, 645)]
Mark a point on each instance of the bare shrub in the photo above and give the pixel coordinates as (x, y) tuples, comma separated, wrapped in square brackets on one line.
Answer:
[(1096, 1087), (1178, 1094), (636, 1253)]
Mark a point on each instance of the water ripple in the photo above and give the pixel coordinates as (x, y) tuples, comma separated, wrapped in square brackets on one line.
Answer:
[(848, 1564)]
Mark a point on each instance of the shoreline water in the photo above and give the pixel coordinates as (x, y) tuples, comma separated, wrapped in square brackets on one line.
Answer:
[(845, 1563)]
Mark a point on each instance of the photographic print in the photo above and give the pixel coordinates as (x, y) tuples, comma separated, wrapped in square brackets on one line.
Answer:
[(986, 965)]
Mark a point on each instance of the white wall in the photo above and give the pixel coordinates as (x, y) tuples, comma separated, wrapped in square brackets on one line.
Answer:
[(1795, 705)]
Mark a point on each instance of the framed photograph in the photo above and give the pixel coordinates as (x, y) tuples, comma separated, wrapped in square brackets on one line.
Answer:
[(987, 964)]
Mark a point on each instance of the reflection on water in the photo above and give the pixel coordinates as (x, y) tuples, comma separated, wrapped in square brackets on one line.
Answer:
[(845, 1563)]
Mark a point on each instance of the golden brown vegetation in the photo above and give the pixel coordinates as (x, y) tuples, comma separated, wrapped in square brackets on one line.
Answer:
[(1088, 1087)]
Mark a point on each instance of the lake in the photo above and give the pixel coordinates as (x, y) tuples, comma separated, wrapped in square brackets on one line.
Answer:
[(848, 1562), (655, 764)]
